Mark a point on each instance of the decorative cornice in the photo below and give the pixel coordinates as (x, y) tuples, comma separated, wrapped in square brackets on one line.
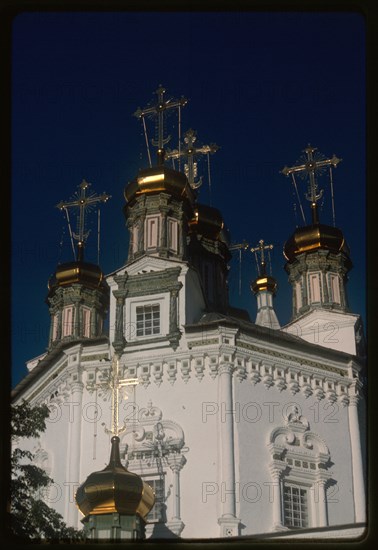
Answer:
[(142, 284), (197, 343), (98, 357), (295, 359)]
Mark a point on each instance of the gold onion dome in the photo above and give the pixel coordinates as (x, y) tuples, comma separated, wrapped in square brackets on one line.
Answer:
[(207, 221), (264, 282), (315, 237), (115, 490), (77, 272), (158, 179)]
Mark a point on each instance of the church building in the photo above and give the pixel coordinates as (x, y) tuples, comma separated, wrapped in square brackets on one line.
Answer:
[(217, 425)]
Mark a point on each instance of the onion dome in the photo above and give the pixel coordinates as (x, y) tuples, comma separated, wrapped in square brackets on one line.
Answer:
[(158, 179), (115, 490), (84, 273), (264, 282), (315, 237), (207, 221)]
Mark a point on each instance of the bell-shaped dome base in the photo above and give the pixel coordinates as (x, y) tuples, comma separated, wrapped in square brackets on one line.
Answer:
[(115, 489), (315, 237)]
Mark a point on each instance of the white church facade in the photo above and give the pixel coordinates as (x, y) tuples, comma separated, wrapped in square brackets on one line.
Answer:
[(239, 427)]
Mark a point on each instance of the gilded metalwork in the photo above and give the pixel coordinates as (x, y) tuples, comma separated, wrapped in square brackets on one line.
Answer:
[(158, 111), (312, 164), (315, 237), (83, 202), (190, 152), (158, 179), (115, 489), (77, 272), (207, 221)]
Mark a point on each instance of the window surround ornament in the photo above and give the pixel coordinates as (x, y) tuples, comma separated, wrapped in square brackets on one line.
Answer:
[(301, 458), (154, 448)]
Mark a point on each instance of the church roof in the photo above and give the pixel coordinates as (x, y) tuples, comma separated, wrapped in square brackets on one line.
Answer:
[(49, 359), (270, 336)]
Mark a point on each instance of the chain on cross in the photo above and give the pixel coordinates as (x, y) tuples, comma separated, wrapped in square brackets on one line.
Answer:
[(260, 249), (158, 111), (190, 152), (309, 167), (83, 202)]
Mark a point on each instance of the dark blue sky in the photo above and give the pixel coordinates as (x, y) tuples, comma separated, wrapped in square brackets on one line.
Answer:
[(260, 85)]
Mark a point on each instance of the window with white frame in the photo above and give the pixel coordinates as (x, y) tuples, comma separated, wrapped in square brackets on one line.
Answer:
[(152, 231), (314, 285), (295, 506), (334, 287), (300, 468), (148, 320), (67, 324), (172, 234), (86, 322)]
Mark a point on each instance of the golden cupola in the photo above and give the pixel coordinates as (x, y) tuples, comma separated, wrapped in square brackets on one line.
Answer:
[(317, 255), (115, 490), (315, 237), (78, 294), (264, 288)]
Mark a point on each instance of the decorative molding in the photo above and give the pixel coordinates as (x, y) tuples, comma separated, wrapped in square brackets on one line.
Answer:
[(154, 282), (291, 358), (98, 357), (185, 370), (44, 385), (197, 343)]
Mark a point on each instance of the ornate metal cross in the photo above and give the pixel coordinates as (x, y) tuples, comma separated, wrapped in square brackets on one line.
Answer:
[(309, 167), (158, 111), (260, 248), (190, 151), (83, 202), (115, 384)]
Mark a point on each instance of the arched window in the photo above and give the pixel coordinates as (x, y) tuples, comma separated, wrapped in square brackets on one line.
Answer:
[(300, 472)]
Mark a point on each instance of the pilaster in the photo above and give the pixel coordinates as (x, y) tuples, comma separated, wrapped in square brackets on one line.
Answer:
[(357, 468), (229, 523)]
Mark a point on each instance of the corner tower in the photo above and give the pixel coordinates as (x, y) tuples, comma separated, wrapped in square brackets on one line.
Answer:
[(78, 296), (318, 262)]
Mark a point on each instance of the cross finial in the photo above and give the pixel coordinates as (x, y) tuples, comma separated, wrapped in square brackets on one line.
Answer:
[(83, 202), (260, 249), (158, 111), (312, 164), (190, 152), (115, 383)]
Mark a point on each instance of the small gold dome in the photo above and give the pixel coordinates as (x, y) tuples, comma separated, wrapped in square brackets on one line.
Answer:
[(77, 272), (264, 282), (207, 221), (315, 237), (115, 489), (158, 179)]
